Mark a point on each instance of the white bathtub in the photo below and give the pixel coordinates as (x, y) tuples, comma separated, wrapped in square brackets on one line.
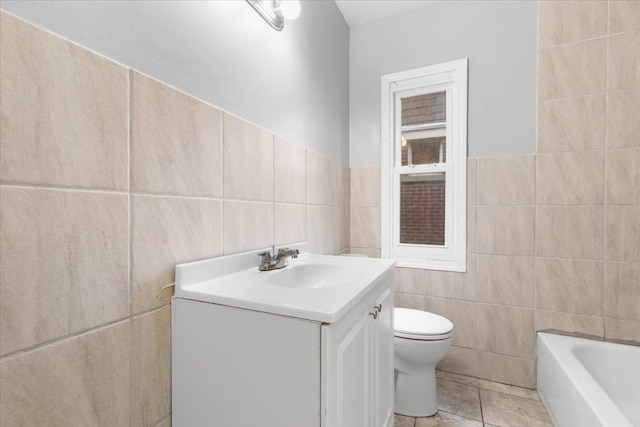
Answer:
[(585, 383)]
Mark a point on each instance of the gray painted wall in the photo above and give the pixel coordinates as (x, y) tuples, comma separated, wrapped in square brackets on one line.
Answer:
[(499, 38), (294, 82)]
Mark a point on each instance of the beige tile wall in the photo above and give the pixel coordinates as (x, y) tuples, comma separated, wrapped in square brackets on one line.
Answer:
[(497, 290), (588, 215), (553, 238), (505, 225), (365, 211), (102, 195), (72, 107), (108, 179)]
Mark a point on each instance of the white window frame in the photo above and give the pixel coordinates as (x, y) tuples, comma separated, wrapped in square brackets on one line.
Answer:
[(450, 77)]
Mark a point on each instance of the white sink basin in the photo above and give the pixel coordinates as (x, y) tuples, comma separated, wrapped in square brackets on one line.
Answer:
[(321, 288), (314, 276)]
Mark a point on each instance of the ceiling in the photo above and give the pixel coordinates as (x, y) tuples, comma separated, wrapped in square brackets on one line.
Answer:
[(358, 12)]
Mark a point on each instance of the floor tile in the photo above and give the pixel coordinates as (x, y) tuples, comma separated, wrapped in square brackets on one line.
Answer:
[(508, 389), (465, 401), (504, 410), (457, 378), (488, 385), (442, 419), (402, 421), (459, 399)]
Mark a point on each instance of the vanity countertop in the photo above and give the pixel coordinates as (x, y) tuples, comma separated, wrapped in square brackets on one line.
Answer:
[(235, 281)]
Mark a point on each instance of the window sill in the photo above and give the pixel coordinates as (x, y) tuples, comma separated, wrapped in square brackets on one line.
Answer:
[(459, 266)]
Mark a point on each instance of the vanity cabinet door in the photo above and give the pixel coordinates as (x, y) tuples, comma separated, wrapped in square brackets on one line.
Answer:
[(382, 351), (357, 364), (346, 371)]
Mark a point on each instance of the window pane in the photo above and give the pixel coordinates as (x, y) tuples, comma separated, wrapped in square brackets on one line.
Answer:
[(424, 151), (424, 109), (422, 208), (423, 129)]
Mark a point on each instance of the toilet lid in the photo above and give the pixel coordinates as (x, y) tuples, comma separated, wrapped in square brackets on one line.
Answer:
[(419, 324)]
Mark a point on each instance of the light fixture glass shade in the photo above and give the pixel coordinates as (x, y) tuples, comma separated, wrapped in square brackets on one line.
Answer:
[(290, 9)]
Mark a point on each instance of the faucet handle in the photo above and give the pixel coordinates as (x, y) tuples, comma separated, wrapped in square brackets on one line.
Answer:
[(266, 256), (286, 251)]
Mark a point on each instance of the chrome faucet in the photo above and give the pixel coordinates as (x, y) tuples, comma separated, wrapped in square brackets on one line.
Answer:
[(270, 262)]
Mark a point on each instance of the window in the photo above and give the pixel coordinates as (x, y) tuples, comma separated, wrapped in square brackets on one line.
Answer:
[(424, 166)]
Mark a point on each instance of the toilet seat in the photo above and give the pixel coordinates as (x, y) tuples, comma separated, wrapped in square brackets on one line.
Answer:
[(420, 325)]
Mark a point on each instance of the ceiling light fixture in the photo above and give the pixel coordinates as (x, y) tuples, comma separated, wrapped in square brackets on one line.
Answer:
[(289, 9), (274, 11)]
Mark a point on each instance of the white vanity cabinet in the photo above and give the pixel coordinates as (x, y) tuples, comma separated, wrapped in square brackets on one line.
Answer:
[(357, 364), (235, 367)]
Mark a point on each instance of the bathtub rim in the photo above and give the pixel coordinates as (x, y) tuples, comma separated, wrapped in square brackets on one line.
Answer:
[(559, 347)]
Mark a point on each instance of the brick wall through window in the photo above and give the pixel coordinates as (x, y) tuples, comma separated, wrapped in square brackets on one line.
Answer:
[(422, 212), (429, 108), (422, 202)]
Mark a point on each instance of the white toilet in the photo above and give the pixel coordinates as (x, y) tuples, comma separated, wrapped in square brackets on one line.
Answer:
[(421, 340)]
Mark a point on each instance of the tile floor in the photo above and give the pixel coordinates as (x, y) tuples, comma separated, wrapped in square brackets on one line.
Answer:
[(471, 402)]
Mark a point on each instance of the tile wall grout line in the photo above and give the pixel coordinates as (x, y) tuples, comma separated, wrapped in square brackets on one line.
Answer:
[(219, 199), (129, 235), (132, 193), (149, 311), (480, 401), (606, 171), (543, 204), (60, 340), (476, 366), (545, 257), (574, 42), (478, 302), (175, 196), (618, 91), (594, 38), (35, 186), (530, 359), (223, 123), (306, 206), (560, 98), (595, 316), (578, 150), (77, 334), (535, 201), (507, 206), (130, 199)]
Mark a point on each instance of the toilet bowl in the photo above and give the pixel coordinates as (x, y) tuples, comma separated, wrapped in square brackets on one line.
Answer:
[(421, 340)]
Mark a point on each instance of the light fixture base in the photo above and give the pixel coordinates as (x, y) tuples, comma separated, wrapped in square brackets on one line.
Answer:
[(267, 9)]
